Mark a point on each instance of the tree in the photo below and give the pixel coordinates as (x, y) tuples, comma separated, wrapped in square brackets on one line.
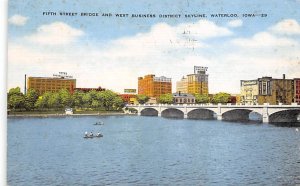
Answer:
[(142, 99), (93, 94), (201, 98), (65, 98), (78, 99), (43, 101), (30, 99), (16, 99), (166, 98), (14, 91), (87, 100), (54, 100), (221, 97), (95, 104), (118, 103), (107, 99)]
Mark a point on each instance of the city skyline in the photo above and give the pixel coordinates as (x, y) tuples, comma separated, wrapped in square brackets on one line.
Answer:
[(112, 52)]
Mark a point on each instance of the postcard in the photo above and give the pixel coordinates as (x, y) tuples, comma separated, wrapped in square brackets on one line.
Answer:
[(190, 92)]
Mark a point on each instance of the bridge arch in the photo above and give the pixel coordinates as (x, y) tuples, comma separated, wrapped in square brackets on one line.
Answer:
[(255, 116), (285, 116), (200, 114), (149, 112), (236, 115), (172, 113)]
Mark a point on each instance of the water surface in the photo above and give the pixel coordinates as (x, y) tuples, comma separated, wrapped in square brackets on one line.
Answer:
[(150, 150)]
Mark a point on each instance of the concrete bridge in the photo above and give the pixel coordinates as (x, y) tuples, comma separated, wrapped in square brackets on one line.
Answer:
[(268, 113)]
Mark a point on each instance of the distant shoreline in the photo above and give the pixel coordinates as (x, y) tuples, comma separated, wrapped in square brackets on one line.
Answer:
[(66, 115)]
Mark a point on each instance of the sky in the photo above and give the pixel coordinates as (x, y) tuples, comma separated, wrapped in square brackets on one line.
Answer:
[(112, 52)]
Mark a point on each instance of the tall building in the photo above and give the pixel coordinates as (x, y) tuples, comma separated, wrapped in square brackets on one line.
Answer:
[(249, 92), (297, 90), (152, 86), (196, 83), (51, 84), (182, 85), (197, 86)]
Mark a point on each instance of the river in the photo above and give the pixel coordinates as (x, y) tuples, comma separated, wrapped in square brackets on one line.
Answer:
[(137, 150)]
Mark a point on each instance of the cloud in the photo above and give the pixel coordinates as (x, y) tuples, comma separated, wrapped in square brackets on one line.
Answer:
[(163, 38), (203, 29), (87, 63), (18, 20), (57, 33), (163, 50), (287, 27), (235, 23), (264, 39), (277, 35)]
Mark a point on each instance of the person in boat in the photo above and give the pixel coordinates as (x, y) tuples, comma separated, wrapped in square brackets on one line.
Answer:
[(91, 134), (86, 134)]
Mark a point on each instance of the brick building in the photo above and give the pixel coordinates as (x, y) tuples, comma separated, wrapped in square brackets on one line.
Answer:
[(152, 86)]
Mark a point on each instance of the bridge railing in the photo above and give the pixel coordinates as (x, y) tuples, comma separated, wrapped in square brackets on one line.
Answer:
[(214, 105)]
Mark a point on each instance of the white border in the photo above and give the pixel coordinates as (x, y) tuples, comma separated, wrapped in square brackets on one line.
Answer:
[(3, 103)]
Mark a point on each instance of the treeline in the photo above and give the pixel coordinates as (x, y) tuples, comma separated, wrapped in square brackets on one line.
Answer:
[(105, 100), (220, 97)]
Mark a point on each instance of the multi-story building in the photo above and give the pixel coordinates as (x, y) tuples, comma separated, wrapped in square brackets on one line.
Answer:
[(196, 83), (182, 85), (152, 86), (51, 84), (284, 91), (297, 90), (267, 90), (275, 91), (249, 92)]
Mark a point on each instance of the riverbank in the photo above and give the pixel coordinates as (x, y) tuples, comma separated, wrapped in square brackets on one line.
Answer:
[(60, 114)]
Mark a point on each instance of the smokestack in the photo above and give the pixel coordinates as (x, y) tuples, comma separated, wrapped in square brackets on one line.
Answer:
[(25, 86), (283, 76)]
